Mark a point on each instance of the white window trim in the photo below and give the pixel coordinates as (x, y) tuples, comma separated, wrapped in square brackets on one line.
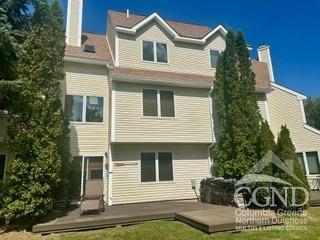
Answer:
[(5, 165), (210, 49), (84, 105), (157, 169), (154, 52), (159, 104)]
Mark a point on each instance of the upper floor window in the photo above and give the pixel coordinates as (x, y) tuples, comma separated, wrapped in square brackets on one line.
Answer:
[(158, 103), (214, 54), (155, 52), (84, 108)]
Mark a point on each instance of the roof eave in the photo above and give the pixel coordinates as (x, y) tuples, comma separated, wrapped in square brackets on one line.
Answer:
[(75, 59), (159, 81)]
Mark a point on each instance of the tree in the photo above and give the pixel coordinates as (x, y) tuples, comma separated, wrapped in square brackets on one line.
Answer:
[(38, 130), (285, 150), (312, 109), (238, 116), (14, 25)]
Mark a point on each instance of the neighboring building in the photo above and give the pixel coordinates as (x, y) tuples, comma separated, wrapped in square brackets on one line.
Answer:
[(138, 99)]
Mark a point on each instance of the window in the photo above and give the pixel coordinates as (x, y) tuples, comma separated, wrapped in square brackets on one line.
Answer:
[(214, 54), (148, 167), (167, 103), (156, 167), (2, 166), (94, 109), (150, 106), (94, 167), (165, 167), (84, 108), (162, 55), (74, 107), (158, 103), (154, 52), (301, 161), (313, 162)]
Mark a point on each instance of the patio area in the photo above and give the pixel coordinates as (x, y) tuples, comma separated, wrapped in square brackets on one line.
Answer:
[(206, 217)]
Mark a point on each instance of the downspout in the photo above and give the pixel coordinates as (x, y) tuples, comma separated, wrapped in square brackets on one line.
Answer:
[(212, 131), (111, 132)]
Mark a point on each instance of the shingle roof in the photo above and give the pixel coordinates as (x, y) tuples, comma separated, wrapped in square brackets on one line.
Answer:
[(259, 68), (183, 29), (101, 46)]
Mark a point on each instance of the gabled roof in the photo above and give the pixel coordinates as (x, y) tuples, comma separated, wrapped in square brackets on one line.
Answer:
[(102, 51), (180, 31)]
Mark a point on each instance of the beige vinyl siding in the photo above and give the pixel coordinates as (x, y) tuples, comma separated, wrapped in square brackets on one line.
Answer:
[(74, 23), (88, 80), (111, 36), (284, 108), (262, 105), (182, 57), (190, 161), (190, 124)]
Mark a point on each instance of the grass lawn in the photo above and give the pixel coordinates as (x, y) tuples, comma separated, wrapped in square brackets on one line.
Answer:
[(176, 230)]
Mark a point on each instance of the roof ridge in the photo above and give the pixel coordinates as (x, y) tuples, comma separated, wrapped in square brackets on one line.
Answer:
[(165, 19)]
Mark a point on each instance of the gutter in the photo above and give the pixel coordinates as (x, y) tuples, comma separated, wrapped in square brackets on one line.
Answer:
[(86, 60)]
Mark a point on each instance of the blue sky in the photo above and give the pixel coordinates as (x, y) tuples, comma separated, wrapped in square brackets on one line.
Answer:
[(291, 28)]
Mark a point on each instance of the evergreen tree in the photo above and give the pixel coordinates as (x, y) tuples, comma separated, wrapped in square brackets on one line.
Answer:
[(266, 141), (312, 109), (285, 150), (38, 129), (238, 115)]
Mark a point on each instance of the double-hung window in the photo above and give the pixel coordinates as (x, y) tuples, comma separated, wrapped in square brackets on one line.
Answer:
[(158, 103), (156, 167), (84, 108), (214, 55), (154, 52)]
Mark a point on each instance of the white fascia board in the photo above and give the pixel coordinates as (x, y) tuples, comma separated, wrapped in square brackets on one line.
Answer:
[(159, 82), (299, 95), (86, 60), (171, 31), (306, 126)]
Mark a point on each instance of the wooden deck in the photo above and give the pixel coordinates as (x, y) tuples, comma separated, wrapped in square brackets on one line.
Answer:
[(206, 217), (315, 198)]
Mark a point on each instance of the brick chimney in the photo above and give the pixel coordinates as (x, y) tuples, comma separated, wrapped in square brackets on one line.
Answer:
[(265, 56), (74, 22)]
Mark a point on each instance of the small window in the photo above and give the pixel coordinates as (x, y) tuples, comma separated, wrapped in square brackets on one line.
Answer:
[(94, 109), (313, 162), (150, 105), (148, 51), (162, 54), (301, 161), (165, 167), (214, 54), (2, 166), (89, 48), (148, 167), (167, 103), (74, 107)]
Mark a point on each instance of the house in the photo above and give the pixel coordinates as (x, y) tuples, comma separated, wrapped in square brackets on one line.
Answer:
[(141, 116)]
